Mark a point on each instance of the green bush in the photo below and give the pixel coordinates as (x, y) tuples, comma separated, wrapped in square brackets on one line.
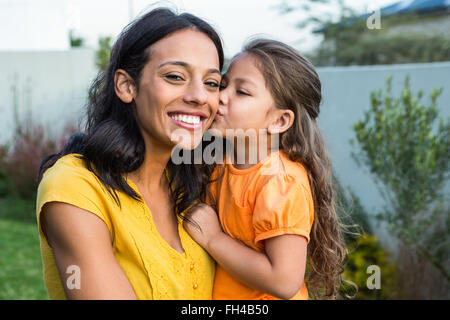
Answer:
[(383, 48), (22, 156), (406, 146), (351, 212), (103, 53), (364, 252), (16, 208), (5, 185)]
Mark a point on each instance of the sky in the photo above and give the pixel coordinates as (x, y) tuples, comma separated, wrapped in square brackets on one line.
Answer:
[(235, 20)]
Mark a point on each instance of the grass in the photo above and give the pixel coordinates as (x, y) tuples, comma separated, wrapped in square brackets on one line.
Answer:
[(21, 275)]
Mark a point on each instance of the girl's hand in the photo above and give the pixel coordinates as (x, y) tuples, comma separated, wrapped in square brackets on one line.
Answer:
[(206, 218)]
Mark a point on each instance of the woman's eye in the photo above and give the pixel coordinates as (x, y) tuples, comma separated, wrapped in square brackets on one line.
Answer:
[(174, 77), (212, 84)]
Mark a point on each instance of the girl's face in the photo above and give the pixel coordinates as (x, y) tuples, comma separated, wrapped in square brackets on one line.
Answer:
[(178, 92), (245, 101)]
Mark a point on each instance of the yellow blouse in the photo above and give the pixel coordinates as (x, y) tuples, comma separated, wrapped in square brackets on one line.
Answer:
[(154, 269)]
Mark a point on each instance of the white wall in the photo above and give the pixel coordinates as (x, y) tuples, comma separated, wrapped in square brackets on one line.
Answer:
[(52, 85)]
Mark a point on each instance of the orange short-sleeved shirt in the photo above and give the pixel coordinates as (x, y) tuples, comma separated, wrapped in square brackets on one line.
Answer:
[(269, 199)]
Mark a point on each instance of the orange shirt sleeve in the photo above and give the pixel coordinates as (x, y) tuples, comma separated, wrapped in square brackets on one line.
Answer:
[(283, 206)]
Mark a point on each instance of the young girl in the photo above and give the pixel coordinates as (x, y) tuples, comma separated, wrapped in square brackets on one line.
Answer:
[(273, 211)]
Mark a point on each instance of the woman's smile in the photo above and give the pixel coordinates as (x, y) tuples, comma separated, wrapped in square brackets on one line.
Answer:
[(188, 120)]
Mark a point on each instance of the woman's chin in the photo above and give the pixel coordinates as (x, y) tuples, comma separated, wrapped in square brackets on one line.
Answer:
[(187, 142)]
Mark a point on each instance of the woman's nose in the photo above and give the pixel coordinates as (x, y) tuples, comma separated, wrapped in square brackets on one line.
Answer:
[(196, 94)]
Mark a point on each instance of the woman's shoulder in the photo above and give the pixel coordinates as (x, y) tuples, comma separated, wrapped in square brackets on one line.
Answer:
[(68, 174), (70, 181), (67, 167), (72, 161)]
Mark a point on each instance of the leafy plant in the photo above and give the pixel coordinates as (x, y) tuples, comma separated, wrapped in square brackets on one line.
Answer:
[(75, 41), (351, 212), (406, 147), (103, 52), (366, 251), (4, 181), (354, 47), (347, 40), (30, 145)]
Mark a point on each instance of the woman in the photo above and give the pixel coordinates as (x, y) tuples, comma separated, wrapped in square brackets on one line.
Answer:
[(109, 206)]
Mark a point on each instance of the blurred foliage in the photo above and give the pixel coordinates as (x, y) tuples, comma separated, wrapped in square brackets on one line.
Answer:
[(29, 147), (407, 149), (103, 53), (20, 158), (364, 252), (5, 184), (419, 279), (382, 48), (351, 212), (347, 40), (13, 207), (75, 41)]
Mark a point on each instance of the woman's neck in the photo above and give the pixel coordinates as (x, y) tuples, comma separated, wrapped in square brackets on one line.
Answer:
[(151, 176)]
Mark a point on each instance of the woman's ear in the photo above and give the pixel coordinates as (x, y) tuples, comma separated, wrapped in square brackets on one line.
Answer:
[(283, 120), (124, 86)]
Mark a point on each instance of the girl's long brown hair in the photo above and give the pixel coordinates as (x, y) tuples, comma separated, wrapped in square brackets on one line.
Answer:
[(295, 85)]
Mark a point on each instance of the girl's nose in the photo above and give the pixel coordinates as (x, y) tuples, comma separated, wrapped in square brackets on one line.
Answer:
[(223, 97)]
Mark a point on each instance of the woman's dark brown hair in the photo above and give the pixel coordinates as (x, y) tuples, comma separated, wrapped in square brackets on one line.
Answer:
[(112, 143), (295, 85)]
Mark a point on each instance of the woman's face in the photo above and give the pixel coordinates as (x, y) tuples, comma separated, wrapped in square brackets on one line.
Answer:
[(178, 92), (245, 101)]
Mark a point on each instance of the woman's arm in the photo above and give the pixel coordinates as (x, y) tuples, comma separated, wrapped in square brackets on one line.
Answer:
[(279, 272), (80, 238)]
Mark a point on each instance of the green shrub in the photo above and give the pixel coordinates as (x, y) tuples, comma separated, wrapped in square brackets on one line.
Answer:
[(103, 53), (20, 162), (383, 48), (364, 252), (406, 146), (351, 212), (5, 185)]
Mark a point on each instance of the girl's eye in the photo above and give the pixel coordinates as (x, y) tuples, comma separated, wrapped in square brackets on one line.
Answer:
[(242, 92), (174, 77)]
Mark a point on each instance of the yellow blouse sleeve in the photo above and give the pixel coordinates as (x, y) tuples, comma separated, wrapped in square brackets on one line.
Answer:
[(69, 181), (283, 206)]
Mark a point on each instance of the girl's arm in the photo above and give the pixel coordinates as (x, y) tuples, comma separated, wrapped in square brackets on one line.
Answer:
[(278, 272), (81, 239)]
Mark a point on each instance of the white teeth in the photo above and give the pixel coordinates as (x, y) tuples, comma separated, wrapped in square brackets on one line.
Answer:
[(186, 118)]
